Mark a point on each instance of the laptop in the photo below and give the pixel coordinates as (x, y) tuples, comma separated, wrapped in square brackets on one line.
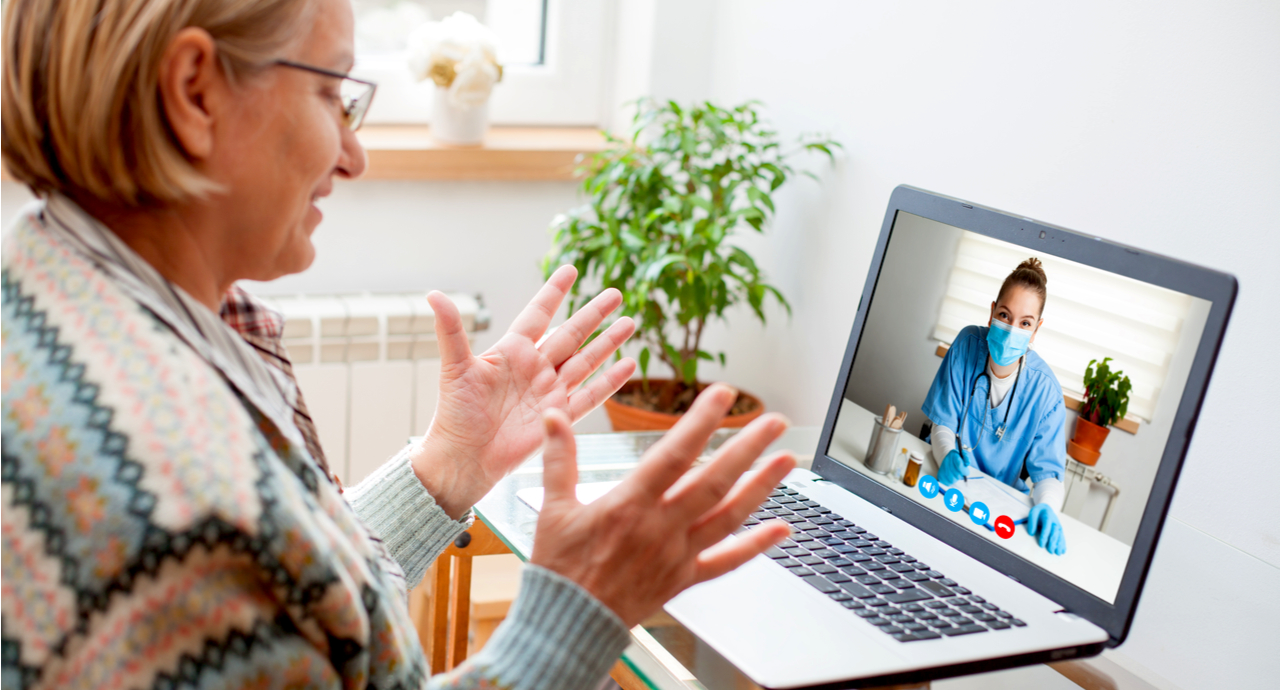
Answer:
[(892, 576)]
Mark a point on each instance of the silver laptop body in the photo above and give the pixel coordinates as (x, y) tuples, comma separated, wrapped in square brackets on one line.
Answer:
[(783, 633)]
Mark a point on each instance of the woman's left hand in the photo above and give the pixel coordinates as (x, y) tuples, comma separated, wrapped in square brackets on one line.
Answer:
[(1043, 524), (489, 416)]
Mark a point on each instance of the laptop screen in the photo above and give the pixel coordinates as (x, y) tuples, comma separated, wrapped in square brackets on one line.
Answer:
[(1029, 397)]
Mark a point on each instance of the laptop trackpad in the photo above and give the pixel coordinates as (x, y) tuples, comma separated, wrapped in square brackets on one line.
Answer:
[(779, 634)]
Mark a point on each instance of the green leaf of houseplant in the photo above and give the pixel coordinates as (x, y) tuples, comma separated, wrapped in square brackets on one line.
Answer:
[(663, 208)]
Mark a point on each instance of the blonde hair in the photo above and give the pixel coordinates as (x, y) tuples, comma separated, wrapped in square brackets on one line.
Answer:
[(82, 113)]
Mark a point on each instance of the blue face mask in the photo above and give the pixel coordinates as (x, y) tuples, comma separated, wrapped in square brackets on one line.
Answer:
[(1006, 343)]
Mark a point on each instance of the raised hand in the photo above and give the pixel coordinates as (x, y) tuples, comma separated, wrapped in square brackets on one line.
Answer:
[(663, 529), (489, 416)]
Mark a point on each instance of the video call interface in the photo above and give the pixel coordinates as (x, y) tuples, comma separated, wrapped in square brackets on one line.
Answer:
[(978, 391)]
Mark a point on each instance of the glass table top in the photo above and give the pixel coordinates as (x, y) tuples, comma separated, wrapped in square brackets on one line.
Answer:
[(663, 654)]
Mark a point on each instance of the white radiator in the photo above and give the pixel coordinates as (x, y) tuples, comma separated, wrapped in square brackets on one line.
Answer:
[(369, 368)]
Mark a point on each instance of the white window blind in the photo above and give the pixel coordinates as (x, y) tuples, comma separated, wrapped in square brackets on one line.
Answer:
[(1090, 314)]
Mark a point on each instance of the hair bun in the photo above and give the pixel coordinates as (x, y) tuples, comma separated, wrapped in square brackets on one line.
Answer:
[(1033, 264)]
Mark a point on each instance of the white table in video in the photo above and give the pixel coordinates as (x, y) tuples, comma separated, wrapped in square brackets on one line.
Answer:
[(1094, 561)]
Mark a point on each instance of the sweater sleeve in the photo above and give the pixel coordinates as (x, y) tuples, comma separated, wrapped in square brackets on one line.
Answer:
[(396, 507), (556, 637)]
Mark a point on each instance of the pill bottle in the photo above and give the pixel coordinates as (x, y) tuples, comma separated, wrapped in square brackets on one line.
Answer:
[(912, 474)]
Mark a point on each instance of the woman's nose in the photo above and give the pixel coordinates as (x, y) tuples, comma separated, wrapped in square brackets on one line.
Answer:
[(354, 160)]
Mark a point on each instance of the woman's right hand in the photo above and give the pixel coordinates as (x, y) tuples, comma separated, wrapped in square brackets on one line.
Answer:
[(663, 529), (955, 466)]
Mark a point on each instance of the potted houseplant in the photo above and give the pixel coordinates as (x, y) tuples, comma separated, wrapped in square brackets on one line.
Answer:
[(1106, 399), (665, 206)]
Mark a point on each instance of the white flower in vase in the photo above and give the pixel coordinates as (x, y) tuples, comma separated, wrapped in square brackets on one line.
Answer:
[(459, 54)]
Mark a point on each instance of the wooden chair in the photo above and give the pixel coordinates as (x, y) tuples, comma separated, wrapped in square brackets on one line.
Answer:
[(441, 605)]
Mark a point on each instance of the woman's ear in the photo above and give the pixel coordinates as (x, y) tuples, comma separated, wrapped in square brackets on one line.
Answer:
[(992, 316), (190, 82), (1037, 330)]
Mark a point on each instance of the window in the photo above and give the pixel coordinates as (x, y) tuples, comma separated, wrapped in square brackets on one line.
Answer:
[(552, 52), (1137, 324)]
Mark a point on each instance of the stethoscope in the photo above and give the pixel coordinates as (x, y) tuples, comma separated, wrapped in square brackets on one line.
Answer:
[(973, 392)]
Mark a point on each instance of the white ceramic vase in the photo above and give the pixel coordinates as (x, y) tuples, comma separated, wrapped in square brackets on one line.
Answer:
[(458, 125)]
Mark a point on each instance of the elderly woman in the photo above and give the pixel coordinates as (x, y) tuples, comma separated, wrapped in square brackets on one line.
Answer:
[(168, 516)]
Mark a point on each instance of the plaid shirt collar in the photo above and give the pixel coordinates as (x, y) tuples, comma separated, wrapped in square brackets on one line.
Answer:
[(262, 327), (249, 316)]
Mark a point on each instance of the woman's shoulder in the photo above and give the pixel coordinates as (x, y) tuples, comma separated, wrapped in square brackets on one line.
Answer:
[(86, 363), (1039, 371), (970, 339)]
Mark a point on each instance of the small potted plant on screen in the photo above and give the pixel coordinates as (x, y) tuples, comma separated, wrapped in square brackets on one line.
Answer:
[(1106, 399)]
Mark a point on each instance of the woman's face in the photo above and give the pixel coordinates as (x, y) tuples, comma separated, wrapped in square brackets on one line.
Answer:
[(1018, 307), (281, 147)]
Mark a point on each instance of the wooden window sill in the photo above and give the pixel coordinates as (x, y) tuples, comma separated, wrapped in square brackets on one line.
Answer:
[(407, 152), (1073, 403)]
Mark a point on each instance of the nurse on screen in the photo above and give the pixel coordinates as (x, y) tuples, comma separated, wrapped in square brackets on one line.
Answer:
[(997, 406)]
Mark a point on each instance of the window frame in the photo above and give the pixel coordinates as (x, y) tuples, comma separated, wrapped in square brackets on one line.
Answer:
[(567, 89)]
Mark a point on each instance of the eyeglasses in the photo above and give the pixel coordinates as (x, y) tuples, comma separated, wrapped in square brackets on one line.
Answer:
[(356, 94)]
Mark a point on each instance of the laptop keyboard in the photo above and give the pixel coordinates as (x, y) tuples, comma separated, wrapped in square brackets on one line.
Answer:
[(880, 584)]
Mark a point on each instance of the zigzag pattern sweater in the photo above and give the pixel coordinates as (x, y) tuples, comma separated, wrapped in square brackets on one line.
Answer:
[(159, 531)]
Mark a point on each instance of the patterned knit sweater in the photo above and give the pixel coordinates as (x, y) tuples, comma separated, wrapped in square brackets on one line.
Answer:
[(160, 531)]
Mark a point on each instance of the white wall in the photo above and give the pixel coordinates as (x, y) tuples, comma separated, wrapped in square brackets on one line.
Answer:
[(1149, 124), (898, 356)]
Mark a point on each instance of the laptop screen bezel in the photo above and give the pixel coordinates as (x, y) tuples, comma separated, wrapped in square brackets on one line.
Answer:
[(1216, 287)]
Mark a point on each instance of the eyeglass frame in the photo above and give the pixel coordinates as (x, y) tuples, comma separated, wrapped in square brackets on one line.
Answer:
[(354, 112)]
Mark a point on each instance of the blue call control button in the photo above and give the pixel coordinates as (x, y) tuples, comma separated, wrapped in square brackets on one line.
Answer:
[(954, 500), (928, 486), (978, 513)]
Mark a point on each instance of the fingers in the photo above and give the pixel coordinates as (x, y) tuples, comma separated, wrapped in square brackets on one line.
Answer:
[(745, 497), (672, 456), (578, 367), (1050, 538), (452, 337), (534, 319), (731, 553), (566, 339), (594, 394), (559, 460), (698, 491)]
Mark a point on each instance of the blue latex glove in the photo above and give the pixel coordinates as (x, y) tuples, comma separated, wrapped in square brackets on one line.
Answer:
[(955, 466), (1044, 526)]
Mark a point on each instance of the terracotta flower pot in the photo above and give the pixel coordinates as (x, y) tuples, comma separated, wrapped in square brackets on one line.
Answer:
[(625, 417), (1086, 445)]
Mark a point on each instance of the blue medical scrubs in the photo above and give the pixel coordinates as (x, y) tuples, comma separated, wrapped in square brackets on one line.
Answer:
[(1036, 434)]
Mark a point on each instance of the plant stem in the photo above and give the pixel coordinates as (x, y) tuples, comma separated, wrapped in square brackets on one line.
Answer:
[(697, 346)]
